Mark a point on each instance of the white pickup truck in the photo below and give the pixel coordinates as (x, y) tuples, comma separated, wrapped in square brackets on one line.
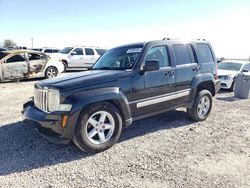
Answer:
[(79, 57)]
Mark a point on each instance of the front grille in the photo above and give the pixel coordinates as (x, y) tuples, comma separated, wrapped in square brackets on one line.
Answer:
[(41, 99)]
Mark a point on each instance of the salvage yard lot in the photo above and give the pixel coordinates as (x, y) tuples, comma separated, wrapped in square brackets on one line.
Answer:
[(167, 150)]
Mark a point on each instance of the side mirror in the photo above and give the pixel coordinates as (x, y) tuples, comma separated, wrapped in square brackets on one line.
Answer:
[(73, 53), (244, 70), (151, 65)]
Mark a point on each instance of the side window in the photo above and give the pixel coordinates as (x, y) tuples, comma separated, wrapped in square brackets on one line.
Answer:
[(48, 51), (247, 67), (55, 51), (158, 53), (182, 54), (100, 51), (78, 51), (89, 51), (16, 58), (34, 56), (204, 52)]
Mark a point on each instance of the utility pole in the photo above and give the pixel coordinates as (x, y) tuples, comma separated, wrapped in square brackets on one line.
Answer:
[(32, 42)]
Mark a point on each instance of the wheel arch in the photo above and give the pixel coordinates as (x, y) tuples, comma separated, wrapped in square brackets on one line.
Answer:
[(201, 82), (82, 100)]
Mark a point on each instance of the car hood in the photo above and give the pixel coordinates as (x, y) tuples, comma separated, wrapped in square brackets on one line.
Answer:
[(222, 72), (83, 79)]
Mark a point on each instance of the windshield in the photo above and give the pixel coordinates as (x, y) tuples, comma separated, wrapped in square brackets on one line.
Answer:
[(66, 50), (119, 58), (230, 66)]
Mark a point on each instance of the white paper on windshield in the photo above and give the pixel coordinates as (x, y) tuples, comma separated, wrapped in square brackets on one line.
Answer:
[(134, 50)]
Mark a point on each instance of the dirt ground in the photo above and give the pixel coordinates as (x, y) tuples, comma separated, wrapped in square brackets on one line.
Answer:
[(167, 150)]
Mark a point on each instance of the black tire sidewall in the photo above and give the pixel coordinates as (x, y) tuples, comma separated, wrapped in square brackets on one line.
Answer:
[(80, 134)]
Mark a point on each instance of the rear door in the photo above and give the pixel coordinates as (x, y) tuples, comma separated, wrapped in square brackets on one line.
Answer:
[(90, 57), (36, 62), (186, 69), (154, 90), (15, 67)]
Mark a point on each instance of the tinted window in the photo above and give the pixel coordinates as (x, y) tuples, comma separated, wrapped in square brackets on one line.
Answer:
[(182, 54), (48, 51), (205, 53), (100, 51), (2, 55), (16, 58), (89, 51), (78, 51), (55, 51), (158, 53)]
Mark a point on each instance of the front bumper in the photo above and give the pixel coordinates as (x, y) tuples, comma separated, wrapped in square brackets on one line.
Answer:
[(217, 85), (226, 84), (48, 125)]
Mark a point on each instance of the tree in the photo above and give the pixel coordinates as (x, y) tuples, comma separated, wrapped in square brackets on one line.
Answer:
[(8, 43)]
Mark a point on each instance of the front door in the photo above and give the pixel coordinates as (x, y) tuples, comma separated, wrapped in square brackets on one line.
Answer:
[(154, 90), (76, 58), (15, 67)]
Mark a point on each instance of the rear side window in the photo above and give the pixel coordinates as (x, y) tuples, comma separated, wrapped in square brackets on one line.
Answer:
[(34, 56), (204, 52), (182, 54), (89, 51)]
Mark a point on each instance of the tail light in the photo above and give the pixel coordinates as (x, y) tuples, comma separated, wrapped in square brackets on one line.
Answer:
[(216, 77)]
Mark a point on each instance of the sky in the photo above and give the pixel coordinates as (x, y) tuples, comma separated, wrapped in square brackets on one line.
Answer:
[(110, 23)]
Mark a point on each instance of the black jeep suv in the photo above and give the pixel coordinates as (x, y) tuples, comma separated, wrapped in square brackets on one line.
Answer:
[(127, 83)]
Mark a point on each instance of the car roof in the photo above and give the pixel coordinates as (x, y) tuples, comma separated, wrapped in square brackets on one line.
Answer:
[(236, 61), (22, 51)]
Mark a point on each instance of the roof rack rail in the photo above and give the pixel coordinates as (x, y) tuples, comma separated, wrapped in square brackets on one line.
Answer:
[(166, 38), (201, 39)]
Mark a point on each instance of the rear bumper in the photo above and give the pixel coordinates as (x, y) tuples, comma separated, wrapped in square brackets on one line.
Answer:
[(217, 85), (48, 125)]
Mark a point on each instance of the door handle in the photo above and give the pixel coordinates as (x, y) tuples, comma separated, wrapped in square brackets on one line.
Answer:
[(170, 73), (196, 69)]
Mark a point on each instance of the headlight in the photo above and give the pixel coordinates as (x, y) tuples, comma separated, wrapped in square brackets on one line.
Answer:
[(229, 77), (48, 100), (53, 100)]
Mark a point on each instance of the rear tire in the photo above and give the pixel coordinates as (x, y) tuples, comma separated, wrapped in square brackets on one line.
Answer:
[(98, 128), (201, 107), (51, 72)]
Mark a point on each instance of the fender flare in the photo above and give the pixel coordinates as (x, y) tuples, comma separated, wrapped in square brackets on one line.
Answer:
[(83, 99), (198, 79)]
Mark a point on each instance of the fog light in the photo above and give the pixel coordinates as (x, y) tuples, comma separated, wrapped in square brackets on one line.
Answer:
[(64, 121), (64, 107)]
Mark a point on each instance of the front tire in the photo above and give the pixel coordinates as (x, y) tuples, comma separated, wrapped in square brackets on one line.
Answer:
[(99, 128), (51, 72), (201, 107)]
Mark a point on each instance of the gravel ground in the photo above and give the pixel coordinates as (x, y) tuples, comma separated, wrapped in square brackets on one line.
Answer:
[(167, 150)]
